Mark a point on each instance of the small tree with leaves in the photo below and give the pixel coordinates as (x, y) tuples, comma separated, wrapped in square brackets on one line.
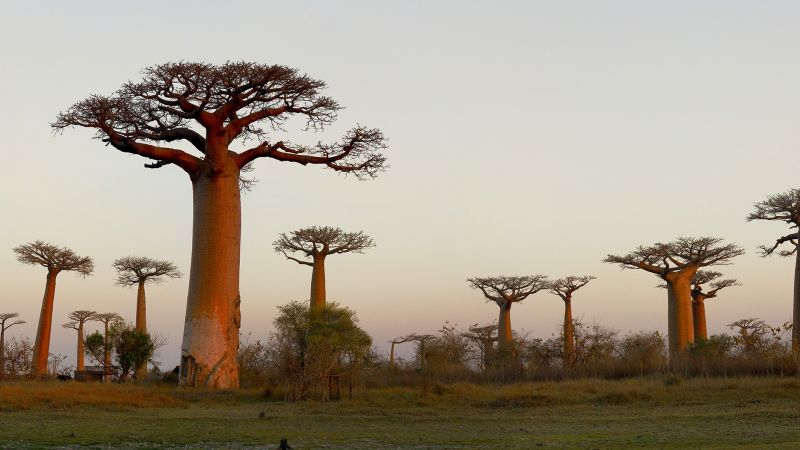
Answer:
[(6, 321), (676, 263), (55, 260), (699, 297), (564, 288), (314, 244), (77, 321), (785, 207), (104, 346), (505, 291)]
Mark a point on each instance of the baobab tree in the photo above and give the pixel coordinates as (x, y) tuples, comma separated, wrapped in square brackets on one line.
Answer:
[(314, 244), (55, 260), (208, 108), (505, 291), (564, 288), (699, 297), (138, 271), (5, 323), (77, 321), (399, 340), (107, 319), (785, 207), (677, 262), (484, 337)]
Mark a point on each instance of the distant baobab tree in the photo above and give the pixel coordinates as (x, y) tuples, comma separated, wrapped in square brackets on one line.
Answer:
[(564, 288), (208, 108), (4, 325), (701, 278), (315, 244), (55, 260), (785, 207), (107, 319), (484, 337), (138, 271), (677, 263), (77, 321), (505, 291), (400, 340)]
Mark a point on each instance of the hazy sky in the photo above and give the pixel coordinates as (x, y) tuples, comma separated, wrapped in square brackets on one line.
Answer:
[(525, 137)]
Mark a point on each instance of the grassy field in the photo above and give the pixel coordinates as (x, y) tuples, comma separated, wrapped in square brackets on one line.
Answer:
[(698, 413)]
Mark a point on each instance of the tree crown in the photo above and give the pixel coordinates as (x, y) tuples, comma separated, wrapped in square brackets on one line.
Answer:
[(55, 259), (505, 290), (564, 287), (108, 318), (784, 207), (198, 103), (132, 270), (682, 253), (82, 316), (322, 241), (5, 317)]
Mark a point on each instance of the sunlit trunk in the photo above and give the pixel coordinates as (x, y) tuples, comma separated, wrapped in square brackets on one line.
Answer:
[(81, 365), (699, 318), (569, 333), (504, 335), (679, 311), (41, 347), (141, 325), (318, 297), (211, 330)]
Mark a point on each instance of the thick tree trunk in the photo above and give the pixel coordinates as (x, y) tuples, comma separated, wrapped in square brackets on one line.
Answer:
[(106, 356), (569, 334), (41, 347), (504, 335), (81, 365), (141, 325), (679, 310), (699, 318), (211, 330), (796, 310), (318, 297)]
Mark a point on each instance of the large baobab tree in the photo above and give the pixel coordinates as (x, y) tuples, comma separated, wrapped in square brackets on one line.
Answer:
[(564, 288), (77, 321), (207, 109), (785, 207), (677, 263), (315, 244), (699, 297), (138, 271), (55, 260), (107, 319), (6, 323), (505, 291)]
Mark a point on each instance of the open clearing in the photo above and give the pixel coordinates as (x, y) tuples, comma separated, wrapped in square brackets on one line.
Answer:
[(699, 413)]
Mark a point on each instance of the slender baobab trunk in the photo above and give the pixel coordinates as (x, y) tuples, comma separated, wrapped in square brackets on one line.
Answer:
[(679, 312), (211, 330), (318, 297), (391, 357), (505, 338), (41, 347), (796, 310), (141, 325), (81, 366), (106, 355), (2, 352), (699, 318), (569, 333)]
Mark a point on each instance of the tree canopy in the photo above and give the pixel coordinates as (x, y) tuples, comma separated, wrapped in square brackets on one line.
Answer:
[(664, 258), (321, 240), (132, 270), (54, 258), (784, 207), (508, 289)]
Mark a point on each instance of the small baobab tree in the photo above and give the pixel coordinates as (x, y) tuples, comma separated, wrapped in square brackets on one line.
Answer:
[(699, 297), (55, 260), (138, 271), (207, 109), (677, 262), (483, 337), (564, 288), (315, 244), (505, 291), (77, 321), (785, 207), (6, 322), (399, 340), (108, 320)]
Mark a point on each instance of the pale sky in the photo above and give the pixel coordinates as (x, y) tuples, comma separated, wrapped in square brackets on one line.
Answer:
[(524, 137)]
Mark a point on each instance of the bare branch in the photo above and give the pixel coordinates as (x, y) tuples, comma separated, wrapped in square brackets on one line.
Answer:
[(55, 259)]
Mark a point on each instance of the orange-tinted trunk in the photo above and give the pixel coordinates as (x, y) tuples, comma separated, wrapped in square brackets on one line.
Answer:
[(41, 347), (506, 338), (318, 296), (569, 334), (679, 310), (211, 330), (699, 318), (81, 366), (141, 325)]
